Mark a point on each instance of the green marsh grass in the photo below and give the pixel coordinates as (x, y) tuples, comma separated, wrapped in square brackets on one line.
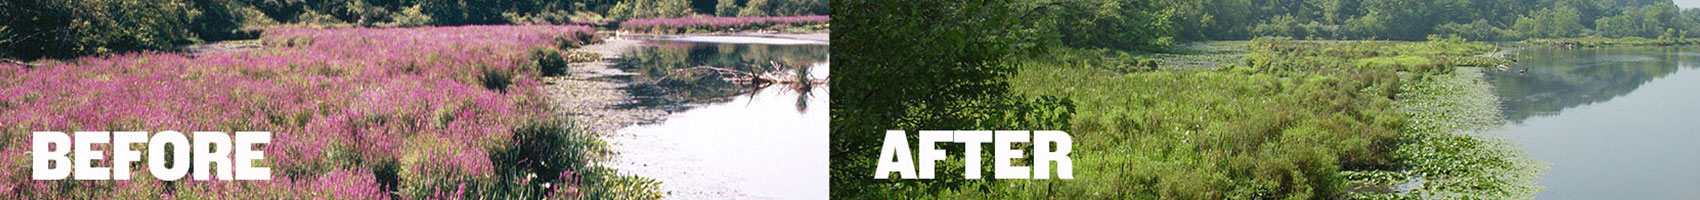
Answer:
[(1308, 120)]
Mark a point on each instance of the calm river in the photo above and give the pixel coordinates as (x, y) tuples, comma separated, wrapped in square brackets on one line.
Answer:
[(728, 140), (1614, 123)]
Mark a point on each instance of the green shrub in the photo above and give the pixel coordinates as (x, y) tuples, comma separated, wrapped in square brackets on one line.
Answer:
[(549, 61)]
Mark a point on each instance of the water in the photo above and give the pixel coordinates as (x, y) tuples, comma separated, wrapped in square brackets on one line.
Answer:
[(726, 140), (1615, 123)]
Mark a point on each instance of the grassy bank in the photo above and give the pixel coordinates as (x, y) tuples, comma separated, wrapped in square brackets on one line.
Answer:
[(1305, 119), (1592, 42), (413, 113)]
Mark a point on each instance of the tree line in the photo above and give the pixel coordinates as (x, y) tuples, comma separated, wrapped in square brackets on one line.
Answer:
[(1136, 24), (31, 29)]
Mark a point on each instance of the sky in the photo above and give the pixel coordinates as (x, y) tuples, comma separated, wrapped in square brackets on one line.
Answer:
[(1687, 3)]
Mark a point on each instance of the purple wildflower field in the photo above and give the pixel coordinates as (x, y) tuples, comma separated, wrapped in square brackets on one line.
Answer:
[(713, 24), (359, 113)]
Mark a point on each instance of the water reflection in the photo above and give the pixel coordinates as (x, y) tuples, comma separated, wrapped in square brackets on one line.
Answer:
[(747, 121), (1565, 78), (1614, 123), (675, 75)]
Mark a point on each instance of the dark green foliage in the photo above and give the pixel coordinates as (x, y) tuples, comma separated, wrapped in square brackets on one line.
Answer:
[(1550, 23), (219, 20), (457, 12), (935, 65), (1117, 24), (62, 29), (1648, 22)]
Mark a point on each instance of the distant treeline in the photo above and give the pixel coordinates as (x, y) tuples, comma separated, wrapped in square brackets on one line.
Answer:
[(1144, 24), (32, 29)]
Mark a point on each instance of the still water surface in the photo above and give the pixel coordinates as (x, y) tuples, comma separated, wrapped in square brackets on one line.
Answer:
[(1614, 123), (726, 140)]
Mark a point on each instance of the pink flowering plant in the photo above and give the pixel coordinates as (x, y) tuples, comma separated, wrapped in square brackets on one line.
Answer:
[(360, 113), (724, 24)]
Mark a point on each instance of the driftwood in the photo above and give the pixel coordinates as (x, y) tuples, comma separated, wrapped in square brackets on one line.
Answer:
[(16, 62), (742, 77)]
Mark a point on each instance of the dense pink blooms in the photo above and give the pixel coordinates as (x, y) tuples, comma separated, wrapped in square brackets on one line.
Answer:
[(336, 100), (677, 25)]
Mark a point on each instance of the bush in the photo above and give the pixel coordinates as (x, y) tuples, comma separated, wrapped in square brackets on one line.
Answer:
[(549, 61)]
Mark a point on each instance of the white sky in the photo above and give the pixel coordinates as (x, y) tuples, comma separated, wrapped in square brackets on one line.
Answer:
[(1685, 4)]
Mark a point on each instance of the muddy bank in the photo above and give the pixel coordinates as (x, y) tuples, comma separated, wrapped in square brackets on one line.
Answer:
[(592, 93)]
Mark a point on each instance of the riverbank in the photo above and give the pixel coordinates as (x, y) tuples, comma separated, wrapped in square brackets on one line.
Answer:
[(594, 92), (599, 95)]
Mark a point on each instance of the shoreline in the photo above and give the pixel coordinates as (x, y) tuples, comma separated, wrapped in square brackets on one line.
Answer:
[(1450, 114), (820, 36), (594, 96), (592, 93)]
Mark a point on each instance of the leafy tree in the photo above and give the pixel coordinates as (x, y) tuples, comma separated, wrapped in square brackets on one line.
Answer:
[(726, 8), (1284, 25), (1369, 26), (1117, 24), (1648, 21), (634, 9), (1551, 23), (756, 8)]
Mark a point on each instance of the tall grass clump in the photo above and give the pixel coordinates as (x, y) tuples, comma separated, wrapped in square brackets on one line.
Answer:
[(395, 113), (549, 61)]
